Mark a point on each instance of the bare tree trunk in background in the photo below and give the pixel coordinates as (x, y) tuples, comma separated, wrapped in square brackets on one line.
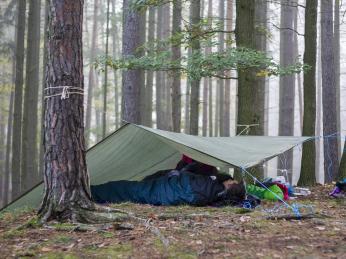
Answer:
[(131, 79), (328, 92), (336, 42), (91, 76), (221, 82), (319, 143), (159, 74), (29, 131), (167, 78), (142, 72), (307, 173), (227, 113), (342, 167), (187, 107), (18, 100), (195, 18), (6, 189), (66, 180), (105, 83), (115, 47), (41, 148), (150, 74), (2, 153), (209, 84), (286, 99), (176, 55)]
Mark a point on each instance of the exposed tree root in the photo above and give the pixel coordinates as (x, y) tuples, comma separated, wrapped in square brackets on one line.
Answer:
[(98, 218)]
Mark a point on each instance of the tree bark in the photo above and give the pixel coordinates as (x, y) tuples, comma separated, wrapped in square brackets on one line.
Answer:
[(142, 41), (29, 131), (221, 82), (115, 43), (105, 83), (307, 173), (328, 93), (150, 74), (131, 78), (18, 100), (176, 55), (195, 16), (159, 74), (286, 95), (227, 113), (91, 76), (65, 172), (336, 42)]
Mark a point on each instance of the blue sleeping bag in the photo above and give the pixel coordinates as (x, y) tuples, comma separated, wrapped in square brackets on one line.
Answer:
[(174, 188)]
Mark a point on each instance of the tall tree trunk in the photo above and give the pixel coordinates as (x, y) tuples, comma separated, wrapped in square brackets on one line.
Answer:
[(6, 189), (150, 74), (195, 17), (2, 153), (45, 53), (142, 39), (221, 82), (210, 80), (159, 74), (328, 92), (115, 41), (131, 78), (286, 99), (336, 42), (307, 173), (18, 100), (187, 108), (105, 83), (65, 172), (91, 76), (29, 132), (227, 113), (248, 97), (176, 55)]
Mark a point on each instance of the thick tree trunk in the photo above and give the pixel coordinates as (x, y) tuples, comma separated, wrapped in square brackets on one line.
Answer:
[(307, 174), (195, 16), (18, 100), (65, 173), (328, 93), (248, 97), (187, 108), (286, 99), (29, 132), (131, 78), (176, 55), (105, 83)]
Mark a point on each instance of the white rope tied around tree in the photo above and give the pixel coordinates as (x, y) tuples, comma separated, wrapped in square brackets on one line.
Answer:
[(65, 93)]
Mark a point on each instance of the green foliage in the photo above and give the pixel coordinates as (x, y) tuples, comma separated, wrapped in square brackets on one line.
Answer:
[(199, 65)]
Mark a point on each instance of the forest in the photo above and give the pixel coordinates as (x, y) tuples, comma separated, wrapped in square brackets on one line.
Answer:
[(74, 72)]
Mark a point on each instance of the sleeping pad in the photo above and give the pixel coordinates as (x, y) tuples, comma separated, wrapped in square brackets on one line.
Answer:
[(173, 188)]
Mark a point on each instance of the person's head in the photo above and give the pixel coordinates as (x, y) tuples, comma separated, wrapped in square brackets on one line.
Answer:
[(234, 191)]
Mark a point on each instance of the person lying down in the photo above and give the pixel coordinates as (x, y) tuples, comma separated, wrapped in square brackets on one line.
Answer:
[(191, 183)]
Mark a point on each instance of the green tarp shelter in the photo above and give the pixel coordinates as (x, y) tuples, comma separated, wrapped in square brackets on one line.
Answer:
[(133, 152)]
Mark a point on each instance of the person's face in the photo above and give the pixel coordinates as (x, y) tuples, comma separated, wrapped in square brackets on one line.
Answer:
[(228, 184)]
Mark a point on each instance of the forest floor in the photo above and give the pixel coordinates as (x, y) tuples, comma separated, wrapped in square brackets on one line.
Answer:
[(190, 232)]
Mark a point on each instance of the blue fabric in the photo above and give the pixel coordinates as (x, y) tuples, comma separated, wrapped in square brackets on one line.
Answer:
[(171, 189)]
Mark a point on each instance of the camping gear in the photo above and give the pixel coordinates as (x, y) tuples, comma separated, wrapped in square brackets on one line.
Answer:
[(174, 188), (300, 191), (339, 190), (272, 193), (133, 152)]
